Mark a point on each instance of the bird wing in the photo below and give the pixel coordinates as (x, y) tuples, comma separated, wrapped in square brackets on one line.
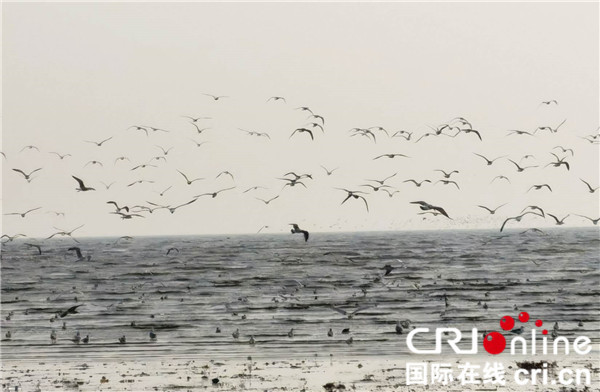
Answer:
[(80, 182)]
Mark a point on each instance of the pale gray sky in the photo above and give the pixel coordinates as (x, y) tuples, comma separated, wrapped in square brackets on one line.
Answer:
[(75, 72)]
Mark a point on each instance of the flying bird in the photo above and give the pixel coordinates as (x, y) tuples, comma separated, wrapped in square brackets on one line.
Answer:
[(427, 207), (329, 172), (488, 161), (539, 187), (214, 194), (189, 182), (100, 143), (267, 201), (592, 190), (517, 218), (391, 156), (296, 229), (216, 97), (447, 175), (39, 248), (82, 187), (275, 99), (305, 130), (417, 183), (355, 195), (27, 176), (519, 168), (60, 156), (23, 214), (594, 221), (559, 222), (492, 211)]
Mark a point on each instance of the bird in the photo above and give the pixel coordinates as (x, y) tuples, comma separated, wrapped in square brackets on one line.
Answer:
[(196, 119), (27, 176), (216, 97), (100, 143), (267, 201), (492, 211), (517, 218), (82, 187), (552, 130), (122, 340), (448, 182), (60, 156), (79, 254), (594, 221), (291, 333), (592, 190), (549, 102), (275, 99), (253, 188), (236, 334), (39, 248), (173, 209), (251, 341), (376, 188), (152, 335), (305, 130), (214, 194), (518, 132), (117, 206), (417, 183), (488, 161), (23, 214), (356, 195), (65, 233), (500, 178), (30, 147), (305, 109), (447, 175), (540, 186), (317, 125), (559, 222), (392, 193), (350, 315), (296, 229), (329, 172), (559, 162), (565, 150), (94, 162), (382, 182), (107, 186), (12, 238), (189, 182), (426, 207), (316, 116), (162, 193), (122, 158), (77, 338), (519, 168), (330, 332), (200, 130), (172, 250), (86, 339), (225, 173), (71, 310), (53, 337), (391, 156)]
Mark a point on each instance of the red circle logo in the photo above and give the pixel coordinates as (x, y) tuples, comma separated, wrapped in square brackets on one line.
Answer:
[(494, 343), (507, 323), (523, 317)]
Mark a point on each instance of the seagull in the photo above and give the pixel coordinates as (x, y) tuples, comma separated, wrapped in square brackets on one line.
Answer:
[(552, 130), (236, 334), (79, 255), (354, 194), (305, 109), (200, 130), (381, 182), (391, 156), (594, 221), (163, 192), (292, 182), (53, 337), (121, 159), (107, 186), (198, 144), (517, 218), (138, 128), (65, 233), (30, 147), (225, 173), (39, 248), (172, 250), (296, 229), (122, 340), (267, 201), (376, 188), (538, 187), (216, 97), (448, 182), (86, 340), (391, 194), (82, 187), (139, 182), (559, 222), (196, 119), (214, 194), (127, 216), (329, 172), (152, 335), (519, 168), (492, 212), (77, 338), (500, 178), (330, 332), (303, 130), (350, 315), (117, 206), (253, 188), (143, 166), (22, 214), (61, 157), (489, 162), (25, 175), (559, 162), (173, 209), (549, 102), (189, 182), (317, 117), (426, 207), (403, 134), (317, 125), (565, 150), (99, 144), (12, 238), (535, 208), (447, 175), (275, 99), (469, 130), (94, 163), (364, 132), (165, 152), (418, 184), (71, 310)]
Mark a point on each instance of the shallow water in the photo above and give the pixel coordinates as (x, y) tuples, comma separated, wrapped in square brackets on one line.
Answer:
[(279, 282)]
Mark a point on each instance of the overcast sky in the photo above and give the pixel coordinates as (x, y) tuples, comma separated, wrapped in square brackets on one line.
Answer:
[(76, 72)]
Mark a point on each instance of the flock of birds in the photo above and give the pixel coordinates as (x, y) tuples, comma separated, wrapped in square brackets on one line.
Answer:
[(315, 124)]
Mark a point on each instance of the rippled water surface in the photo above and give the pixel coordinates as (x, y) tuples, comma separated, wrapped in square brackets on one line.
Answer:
[(264, 285)]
